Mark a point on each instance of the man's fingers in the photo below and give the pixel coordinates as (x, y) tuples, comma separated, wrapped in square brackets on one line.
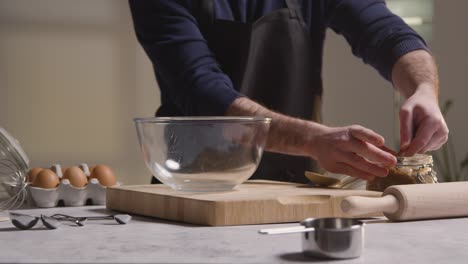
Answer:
[(366, 135), (406, 128), (371, 153), (437, 140), (425, 132), (363, 165), (389, 150)]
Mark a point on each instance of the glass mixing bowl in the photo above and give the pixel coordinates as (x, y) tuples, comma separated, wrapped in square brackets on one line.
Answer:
[(202, 154)]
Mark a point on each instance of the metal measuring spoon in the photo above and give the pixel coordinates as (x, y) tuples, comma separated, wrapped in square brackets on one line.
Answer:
[(50, 222), (120, 218), (63, 217), (23, 221), (81, 220)]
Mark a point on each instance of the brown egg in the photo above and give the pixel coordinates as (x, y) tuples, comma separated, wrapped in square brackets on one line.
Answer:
[(46, 179), (104, 175), (33, 173), (76, 176)]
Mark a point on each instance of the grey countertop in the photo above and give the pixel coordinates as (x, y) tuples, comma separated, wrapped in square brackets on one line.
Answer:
[(149, 240)]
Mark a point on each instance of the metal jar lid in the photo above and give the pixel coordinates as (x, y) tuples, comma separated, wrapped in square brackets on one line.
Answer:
[(416, 160)]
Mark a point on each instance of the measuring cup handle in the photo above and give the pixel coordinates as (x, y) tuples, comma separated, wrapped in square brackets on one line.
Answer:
[(286, 230)]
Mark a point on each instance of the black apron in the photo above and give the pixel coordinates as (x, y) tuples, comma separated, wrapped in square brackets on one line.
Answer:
[(274, 62)]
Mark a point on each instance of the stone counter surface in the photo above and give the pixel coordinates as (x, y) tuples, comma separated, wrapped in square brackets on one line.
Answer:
[(149, 240)]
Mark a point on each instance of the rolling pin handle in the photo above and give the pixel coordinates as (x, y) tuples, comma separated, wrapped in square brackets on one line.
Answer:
[(359, 205)]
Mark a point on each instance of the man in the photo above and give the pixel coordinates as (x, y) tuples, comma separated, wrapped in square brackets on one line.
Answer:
[(264, 58)]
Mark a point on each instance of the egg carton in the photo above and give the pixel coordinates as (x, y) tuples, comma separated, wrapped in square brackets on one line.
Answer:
[(93, 193)]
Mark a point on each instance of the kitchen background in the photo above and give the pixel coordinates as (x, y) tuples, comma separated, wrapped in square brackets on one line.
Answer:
[(72, 77)]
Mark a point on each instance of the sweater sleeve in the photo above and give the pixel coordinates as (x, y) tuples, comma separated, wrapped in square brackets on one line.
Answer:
[(192, 78), (375, 34)]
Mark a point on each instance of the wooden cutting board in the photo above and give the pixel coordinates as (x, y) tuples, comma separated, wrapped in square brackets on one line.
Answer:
[(253, 202)]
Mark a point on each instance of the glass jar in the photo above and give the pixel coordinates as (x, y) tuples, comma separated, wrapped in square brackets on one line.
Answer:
[(408, 170)]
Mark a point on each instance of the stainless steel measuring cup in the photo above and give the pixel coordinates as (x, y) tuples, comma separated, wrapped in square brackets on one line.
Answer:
[(336, 238)]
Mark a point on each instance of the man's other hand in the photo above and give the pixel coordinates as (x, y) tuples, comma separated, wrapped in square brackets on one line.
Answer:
[(422, 126)]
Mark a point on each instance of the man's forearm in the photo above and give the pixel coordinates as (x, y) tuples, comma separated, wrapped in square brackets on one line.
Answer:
[(422, 125), (351, 150), (287, 135), (415, 70)]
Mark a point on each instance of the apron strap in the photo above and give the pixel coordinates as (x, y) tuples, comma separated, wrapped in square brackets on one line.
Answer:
[(205, 13), (295, 10)]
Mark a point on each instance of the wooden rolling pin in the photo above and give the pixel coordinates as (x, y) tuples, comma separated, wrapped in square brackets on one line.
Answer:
[(413, 202)]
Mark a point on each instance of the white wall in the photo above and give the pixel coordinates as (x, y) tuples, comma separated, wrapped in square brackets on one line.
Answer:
[(450, 47), (72, 77)]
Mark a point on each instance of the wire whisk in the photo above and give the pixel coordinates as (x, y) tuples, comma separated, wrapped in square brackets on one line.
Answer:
[(14, 165), (13, 180)]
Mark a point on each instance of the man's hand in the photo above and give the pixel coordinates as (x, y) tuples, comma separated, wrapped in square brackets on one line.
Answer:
[(352, 150), (422, 126)]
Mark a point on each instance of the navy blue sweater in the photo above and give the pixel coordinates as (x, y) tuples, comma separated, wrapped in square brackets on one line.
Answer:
[(188, 75)]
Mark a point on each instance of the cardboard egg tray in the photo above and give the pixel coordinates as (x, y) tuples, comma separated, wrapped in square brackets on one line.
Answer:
[(92, 194)]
